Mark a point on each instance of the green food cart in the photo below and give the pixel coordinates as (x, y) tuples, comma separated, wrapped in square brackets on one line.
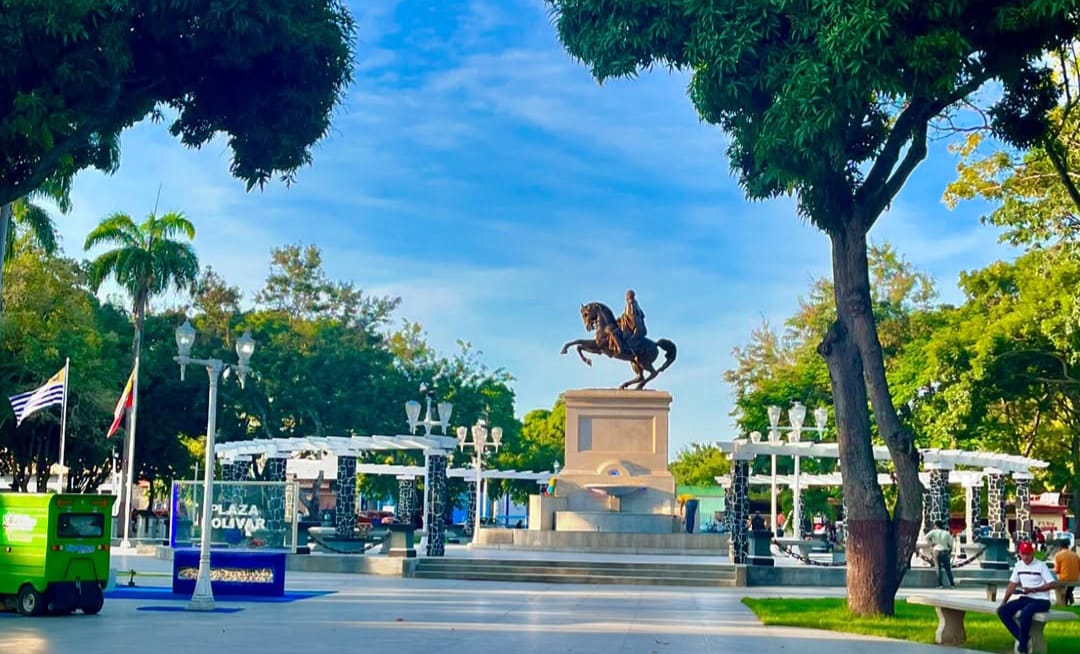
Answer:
[(54, 552)]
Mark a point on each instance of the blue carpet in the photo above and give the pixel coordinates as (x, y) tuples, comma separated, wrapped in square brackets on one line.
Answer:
[(165, 593), (217, 609)]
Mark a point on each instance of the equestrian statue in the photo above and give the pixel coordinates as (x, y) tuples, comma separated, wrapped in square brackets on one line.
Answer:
[(623, 338)]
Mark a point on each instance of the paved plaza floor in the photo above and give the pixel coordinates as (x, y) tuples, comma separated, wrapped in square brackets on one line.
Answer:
[(365, 613)]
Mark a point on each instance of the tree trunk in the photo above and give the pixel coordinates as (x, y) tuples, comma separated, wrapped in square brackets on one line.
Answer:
[(876, 544)]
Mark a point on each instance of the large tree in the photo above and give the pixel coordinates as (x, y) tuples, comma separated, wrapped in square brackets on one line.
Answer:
[(76, 74), (832, 102)]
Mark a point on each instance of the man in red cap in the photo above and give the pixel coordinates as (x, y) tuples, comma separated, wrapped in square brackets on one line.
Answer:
[(1032, 580)]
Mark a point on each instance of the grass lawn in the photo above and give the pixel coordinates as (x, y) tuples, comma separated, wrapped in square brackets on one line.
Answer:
[(911, 622)]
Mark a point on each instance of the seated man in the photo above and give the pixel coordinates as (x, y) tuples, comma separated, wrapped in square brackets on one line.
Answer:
[(1067, 568), (1032, 580)]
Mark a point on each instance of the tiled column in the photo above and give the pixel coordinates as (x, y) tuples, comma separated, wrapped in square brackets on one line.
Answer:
[(973, 502), (434, 527), (738, 508), (939, 495), (1023, 505), (995, 503), (345, 497), (470, 518), (927, 508), (406, 499), (799, 531), (729, 508), (275, 504)]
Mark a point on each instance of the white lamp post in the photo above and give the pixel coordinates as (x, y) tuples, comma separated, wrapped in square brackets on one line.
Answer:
[(774, 438), (479, 444), (203, 597), (412, 413), (797, 416)]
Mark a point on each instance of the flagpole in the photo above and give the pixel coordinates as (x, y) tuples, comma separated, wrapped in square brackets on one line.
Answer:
[(63, 420), (130, 481)]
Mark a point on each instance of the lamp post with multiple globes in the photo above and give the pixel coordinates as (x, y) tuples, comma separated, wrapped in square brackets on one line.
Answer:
[(203, 597)]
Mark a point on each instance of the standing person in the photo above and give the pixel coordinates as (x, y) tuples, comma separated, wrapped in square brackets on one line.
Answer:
[(1032, 580), (1067, 568), (942, 541)]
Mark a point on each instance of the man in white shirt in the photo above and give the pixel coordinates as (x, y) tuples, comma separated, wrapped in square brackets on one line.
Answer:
[(1032, 580), (942, 541)]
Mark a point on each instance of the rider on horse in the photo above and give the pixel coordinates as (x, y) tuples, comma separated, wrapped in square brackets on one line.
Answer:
[(631, 326)]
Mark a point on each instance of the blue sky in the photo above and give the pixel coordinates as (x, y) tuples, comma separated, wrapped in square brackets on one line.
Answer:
[(484, 177)]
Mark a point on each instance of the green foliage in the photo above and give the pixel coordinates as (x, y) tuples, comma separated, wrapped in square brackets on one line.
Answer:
[(538, 445), (76, 74), (33, 221), (51, 315), (1008, 364), (699, 465), (819, 97), (147, 260), (776, 368)]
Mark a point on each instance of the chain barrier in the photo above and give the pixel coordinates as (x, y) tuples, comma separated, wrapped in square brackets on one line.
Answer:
[(958, 564), (806, 559), (335, 550)]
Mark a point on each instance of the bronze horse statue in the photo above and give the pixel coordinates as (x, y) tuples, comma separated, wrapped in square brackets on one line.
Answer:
[(599, 318)]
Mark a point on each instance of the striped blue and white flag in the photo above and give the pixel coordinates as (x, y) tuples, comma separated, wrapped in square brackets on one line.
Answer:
[(51, 393)]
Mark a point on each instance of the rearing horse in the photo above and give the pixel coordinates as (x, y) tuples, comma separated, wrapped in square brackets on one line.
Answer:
[(599, 318)]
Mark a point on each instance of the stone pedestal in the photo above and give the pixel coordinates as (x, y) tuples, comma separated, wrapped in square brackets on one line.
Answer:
[(616, 455), (542, 510), (996, 556), (760, 547)]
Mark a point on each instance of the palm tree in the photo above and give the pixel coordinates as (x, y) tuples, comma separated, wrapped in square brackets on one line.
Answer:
[(36, 222), (146, 262), (23, 213)]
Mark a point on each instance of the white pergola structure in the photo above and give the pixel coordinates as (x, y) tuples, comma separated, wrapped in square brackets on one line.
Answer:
[(236, 454), (277, 451), (941, 470)]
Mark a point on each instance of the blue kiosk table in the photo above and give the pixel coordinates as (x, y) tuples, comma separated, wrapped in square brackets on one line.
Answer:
[(232, 572)]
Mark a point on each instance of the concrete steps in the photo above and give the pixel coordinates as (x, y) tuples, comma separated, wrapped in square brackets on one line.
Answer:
[(577, 572)]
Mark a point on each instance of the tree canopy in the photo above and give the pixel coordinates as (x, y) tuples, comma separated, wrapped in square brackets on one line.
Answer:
[(76, 74)]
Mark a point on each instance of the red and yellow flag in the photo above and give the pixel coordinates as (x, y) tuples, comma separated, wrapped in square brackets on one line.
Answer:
[(122, 405)]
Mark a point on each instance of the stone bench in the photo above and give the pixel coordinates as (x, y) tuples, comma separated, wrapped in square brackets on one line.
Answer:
[(991, 585), (951, 612), (1059, 591)]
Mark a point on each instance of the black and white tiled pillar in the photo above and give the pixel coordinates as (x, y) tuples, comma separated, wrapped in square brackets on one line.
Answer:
[(973, 502), (403, 512), (939, 494), (345, 497), (738, 508), (995, 502), (275, 501), (435, 491), (927, 506), (1023, 505), (729, 507), (470, 517)]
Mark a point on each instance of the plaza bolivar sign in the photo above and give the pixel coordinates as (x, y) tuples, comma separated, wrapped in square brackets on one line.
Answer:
[(246, 517)]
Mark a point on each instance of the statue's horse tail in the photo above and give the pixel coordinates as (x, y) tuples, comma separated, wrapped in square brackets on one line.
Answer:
[(669, 353)]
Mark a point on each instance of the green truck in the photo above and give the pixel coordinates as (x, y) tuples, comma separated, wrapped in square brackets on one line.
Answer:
[(54, 552)]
